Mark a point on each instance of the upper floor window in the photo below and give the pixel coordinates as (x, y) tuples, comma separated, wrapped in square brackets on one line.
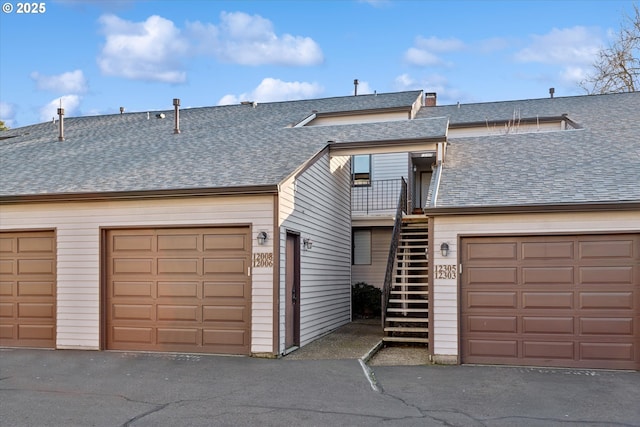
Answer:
[(361, 170)]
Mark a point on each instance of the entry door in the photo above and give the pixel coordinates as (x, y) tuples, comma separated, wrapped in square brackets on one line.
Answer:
[(425, 181), (292, 291)]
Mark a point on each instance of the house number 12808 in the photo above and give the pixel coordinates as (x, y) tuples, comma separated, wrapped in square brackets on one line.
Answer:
[(445, 272)]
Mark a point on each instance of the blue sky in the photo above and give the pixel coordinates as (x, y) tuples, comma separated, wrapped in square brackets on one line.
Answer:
[(96, 56)]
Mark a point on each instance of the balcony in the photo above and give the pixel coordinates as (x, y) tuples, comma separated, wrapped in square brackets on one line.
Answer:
[(379, 198)]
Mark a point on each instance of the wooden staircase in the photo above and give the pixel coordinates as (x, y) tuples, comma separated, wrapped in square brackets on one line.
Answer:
[(407, 311)]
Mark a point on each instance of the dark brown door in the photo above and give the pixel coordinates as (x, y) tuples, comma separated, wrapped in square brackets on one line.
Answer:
[(182, 289), (569, 301), (292, 291), (28, 289)]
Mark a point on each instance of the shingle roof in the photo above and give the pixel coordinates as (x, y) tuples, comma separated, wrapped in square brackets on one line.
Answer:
[(599, 163), (218, 147)]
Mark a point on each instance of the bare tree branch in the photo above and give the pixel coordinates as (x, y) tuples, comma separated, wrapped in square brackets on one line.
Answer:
[(617, 68)]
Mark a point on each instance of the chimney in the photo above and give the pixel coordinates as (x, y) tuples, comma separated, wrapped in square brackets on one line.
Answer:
[(355, 87), (61, 123), (176, 105), (551, 91), (430, 99)]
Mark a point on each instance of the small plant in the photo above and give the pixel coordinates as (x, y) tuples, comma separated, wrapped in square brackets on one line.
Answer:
[(366, 300)]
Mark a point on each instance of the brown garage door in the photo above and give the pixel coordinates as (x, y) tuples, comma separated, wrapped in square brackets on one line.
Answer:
[(184, 290), (28, 289), (571, 301)]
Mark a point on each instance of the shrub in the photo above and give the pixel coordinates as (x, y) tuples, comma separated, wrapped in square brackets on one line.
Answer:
[(366, 300)]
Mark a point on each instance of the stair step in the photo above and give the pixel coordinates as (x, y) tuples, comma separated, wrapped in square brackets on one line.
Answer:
[(407, 329), (406, 310), (406, 339), (412, 276), (398, 292), (408, 319), (408, 301)]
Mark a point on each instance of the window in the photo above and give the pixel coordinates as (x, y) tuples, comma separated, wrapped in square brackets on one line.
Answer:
[(361, 170), (361, 247)]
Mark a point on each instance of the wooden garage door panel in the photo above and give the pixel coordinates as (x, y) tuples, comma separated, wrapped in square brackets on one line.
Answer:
[(36, 289), (547, 325), (224, 289), (178, 289), (35, 266), (577, 301), (607, 249), (132, 266), (178, 313), (7, 266), (497, 276), (132, 289), (607, 326), (178, 242), (606, 275), (548, 350), (132, 243), (6, 289), (170, 289), (607, 351), (28, 289), (492, 299), (35, 244), (606, 300), (492, 251), (178, 266), (226, 242), (492, 324), (547, 300), (547, 250), (225, 265)]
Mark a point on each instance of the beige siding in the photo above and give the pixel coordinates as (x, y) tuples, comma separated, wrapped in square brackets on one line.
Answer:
[(78, 226), (389, 166), (359, 118), (316, 205), (374, 274), (449, 229)]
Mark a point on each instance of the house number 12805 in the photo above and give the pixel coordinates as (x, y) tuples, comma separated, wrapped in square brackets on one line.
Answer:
[(445, 272)]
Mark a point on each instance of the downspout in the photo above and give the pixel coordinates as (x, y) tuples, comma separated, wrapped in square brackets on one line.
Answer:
[(442, 146), (434, 195)]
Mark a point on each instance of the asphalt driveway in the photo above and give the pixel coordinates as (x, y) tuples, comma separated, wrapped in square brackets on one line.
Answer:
[(85, 388)]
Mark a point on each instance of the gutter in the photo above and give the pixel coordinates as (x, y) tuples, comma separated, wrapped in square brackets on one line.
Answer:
[(139, 195), (618, 206)]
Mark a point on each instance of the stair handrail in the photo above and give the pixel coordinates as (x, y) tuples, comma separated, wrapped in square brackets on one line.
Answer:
[(393, 249)]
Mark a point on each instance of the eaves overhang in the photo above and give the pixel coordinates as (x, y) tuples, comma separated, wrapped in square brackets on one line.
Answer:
[(524, 120), (140, 195), (630, 205), (337, 146)]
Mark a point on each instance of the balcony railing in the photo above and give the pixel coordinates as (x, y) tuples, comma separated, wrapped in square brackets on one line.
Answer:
[(379, 197)]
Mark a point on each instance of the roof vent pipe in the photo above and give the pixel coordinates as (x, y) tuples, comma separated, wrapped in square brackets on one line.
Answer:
[(176, 105), (61, 124), (121, 110), (551, 91), (355, 87)]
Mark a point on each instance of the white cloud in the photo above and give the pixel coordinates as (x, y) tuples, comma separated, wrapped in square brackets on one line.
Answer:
[(435, 44), (568, 46), (431, 83), (271, 90), (8, 114), (70, 103), (69, 82), (250, 40), (572, 49), (364, 88), (149, 50), (415, 56), (423, 53)]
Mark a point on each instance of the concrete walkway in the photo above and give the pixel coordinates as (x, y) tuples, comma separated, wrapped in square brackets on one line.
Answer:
[(361, 339)]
